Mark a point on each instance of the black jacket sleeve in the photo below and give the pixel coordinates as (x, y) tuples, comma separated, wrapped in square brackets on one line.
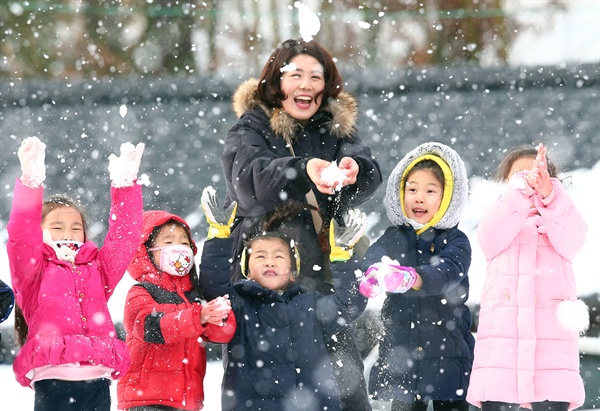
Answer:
[(215, 266), (336, 311)]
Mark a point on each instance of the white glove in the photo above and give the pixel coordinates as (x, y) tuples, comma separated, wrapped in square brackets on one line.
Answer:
[(124, 169), (219, 220), (32, 154), (342, 239)]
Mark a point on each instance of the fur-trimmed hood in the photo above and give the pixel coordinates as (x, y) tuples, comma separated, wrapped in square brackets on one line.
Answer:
[(458, 184), (343, 112)]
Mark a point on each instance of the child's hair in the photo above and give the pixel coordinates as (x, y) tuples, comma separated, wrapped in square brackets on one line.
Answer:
[(269, 84), (62, 200), (428, 165), (21, 327), (51, 203), (516, 153), (271, 227), (150, 242)]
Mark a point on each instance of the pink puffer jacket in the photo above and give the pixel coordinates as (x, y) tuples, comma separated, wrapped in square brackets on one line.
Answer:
[(65, 304), (523, 353)]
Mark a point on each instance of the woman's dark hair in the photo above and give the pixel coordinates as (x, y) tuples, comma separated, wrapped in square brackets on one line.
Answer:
[(269, 85), (51, 203), (428, 165), (519, 152)]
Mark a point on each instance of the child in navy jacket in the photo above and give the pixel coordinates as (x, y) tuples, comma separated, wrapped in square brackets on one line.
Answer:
[(277, 358)]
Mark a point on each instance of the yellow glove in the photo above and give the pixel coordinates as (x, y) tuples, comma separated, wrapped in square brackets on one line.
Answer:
[(342, 239), (219, 220)]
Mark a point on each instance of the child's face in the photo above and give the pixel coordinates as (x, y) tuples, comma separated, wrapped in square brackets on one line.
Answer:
[(301, 87), (170, 234), (270, 263), (64, 224), (422, 195)]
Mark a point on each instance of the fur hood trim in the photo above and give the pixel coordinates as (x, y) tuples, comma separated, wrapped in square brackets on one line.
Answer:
[(484, 194), (459, 185), (343, 110)]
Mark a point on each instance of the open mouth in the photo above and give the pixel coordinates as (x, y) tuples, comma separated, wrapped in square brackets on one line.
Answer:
[(303, 102), (270, 274), (419, 211)]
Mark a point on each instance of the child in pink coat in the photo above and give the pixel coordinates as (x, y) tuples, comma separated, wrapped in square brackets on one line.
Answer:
[(62, 282), (526, 352)]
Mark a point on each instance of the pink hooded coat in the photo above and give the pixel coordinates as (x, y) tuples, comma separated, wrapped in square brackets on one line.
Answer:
[(65, 304), (523, 352)]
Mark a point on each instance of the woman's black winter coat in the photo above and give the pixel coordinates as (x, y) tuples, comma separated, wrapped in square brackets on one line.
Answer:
[(262, 174)]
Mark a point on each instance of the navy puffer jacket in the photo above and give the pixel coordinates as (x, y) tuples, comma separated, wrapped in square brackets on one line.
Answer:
[(426, 352), (277, 358)]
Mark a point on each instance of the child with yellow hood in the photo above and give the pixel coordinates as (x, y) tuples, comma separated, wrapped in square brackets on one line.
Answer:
[(422, 261)]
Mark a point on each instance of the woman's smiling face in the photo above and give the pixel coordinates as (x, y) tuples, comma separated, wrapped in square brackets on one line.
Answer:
[(302, 79)]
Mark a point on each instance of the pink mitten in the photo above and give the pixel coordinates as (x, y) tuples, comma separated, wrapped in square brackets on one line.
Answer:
[(369, 287), (399, 279), (32, 154)]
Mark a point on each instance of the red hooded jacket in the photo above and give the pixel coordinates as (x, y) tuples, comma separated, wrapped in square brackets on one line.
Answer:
[(164, 333)]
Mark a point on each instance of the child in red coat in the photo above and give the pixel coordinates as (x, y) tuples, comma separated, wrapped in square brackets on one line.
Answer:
[(166, 322)]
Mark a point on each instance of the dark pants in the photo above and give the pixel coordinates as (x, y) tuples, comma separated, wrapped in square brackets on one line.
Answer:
[(460, 405), (535, 406), (61, 395), (348, 369)]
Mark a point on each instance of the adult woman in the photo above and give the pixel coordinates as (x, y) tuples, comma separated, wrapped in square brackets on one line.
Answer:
[(293, 122)]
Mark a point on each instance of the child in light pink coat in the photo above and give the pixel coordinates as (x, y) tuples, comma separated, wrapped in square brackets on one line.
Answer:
[(526, 352), (62, 281)]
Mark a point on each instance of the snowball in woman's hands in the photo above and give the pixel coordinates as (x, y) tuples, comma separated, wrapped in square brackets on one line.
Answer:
[(333, 176)]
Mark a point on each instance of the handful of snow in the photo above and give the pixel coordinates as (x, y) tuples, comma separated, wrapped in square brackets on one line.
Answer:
[(223, 304), (333, 176)]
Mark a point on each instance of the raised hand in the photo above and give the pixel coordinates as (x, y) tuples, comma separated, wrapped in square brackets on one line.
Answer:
[(124, 169), (32, 154), (538, 177), (219, 220), (343, 239)]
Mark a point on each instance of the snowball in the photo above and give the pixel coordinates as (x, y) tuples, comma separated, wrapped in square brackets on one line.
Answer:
[(333, 176), (309, 22)]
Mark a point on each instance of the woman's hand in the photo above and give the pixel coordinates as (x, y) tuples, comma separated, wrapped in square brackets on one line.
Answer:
[(314, 169), (349, 167)]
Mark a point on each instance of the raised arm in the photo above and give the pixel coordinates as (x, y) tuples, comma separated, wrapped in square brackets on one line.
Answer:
[(125, 218), (25, 246)]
